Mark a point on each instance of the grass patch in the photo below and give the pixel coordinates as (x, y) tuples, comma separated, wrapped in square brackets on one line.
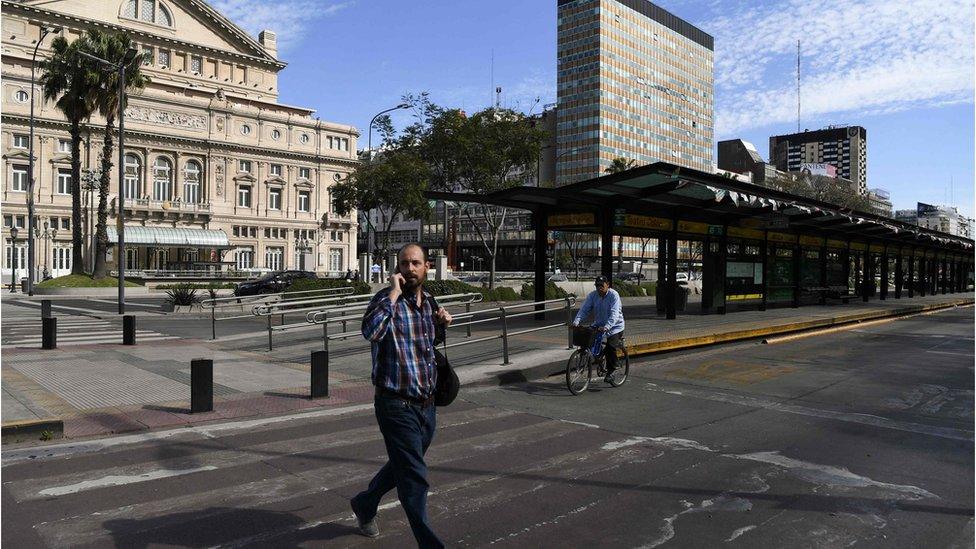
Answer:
[(83, 281), (305, 284)]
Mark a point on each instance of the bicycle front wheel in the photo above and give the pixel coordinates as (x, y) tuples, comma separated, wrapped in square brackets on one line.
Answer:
[(619, 375), (578, 371)]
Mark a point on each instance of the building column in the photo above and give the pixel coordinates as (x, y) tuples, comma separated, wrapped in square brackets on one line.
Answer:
[(883, 292), (539, 225), (177, 183)]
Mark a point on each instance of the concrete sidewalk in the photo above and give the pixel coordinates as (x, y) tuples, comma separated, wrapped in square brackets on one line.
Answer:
[(108, 388)]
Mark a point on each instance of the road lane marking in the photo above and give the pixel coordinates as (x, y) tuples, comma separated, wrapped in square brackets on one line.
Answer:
[(120, 480), (850, 417), (37, 453)]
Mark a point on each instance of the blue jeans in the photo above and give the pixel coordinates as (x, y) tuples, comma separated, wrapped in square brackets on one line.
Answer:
[(407, 432)]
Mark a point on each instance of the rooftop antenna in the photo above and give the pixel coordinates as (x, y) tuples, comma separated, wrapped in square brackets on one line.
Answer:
[(498, 97), (492, 72), (797, 86)]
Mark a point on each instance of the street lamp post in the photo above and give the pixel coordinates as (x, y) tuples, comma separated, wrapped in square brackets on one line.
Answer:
[(49, 234), (89, 182), (302, 246), (369, 148), (13, 260), (130, 54), (30, 168)]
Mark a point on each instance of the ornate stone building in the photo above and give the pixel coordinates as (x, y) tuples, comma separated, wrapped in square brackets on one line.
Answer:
[(217, 171)]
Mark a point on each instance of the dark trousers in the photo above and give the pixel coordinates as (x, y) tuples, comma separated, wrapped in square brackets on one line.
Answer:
[(408, 430), (614, 342)]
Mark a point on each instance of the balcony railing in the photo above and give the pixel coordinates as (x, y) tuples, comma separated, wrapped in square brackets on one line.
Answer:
[(167, 205)]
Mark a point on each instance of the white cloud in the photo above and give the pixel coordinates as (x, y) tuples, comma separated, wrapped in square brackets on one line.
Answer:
[(858, 57), (291, 20)]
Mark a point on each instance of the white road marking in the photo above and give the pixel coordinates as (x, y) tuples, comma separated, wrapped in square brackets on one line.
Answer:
[(120, 480), (863, 419), (38, 453), (739, 531), (829, 475), (676, 443)]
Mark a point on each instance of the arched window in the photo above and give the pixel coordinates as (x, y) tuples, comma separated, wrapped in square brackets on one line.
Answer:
[(132, 176), (191, 182), (162, 179), (150, 11), (163, 17)]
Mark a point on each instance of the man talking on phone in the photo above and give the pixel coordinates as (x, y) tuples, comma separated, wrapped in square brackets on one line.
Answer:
[(399, 323)]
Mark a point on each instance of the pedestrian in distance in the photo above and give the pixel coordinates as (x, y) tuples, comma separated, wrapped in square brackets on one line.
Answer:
[(604, 305), (400, 325)]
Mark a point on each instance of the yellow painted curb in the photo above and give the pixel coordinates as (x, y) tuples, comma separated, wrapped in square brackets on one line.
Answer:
[(31, 429), (755, 333)]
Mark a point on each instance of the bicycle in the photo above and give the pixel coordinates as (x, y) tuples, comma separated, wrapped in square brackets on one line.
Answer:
[(579, 368)]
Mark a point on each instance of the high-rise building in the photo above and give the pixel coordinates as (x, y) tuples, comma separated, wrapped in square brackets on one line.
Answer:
[(634, 81), (844, 147), (944, 218), (880, 200), (741, 157)]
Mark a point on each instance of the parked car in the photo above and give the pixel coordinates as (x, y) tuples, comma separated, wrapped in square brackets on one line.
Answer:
[(475, 279), (681, 278), (271, 283), (633, 278), (558, 277)]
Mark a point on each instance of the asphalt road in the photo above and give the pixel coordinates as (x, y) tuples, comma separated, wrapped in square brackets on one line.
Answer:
[(859, 437)]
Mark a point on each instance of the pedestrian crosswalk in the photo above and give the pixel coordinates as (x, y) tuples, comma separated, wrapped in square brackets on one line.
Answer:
[(497, 476), (20, 326)]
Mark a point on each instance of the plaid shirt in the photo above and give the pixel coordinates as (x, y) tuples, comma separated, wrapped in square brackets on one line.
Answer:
[(402, 337)]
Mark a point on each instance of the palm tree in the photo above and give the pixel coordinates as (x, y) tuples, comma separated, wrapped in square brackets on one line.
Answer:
[(112, 48), (620, 164), (66, 80)]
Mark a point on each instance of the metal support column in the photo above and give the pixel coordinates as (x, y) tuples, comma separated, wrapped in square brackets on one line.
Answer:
[(671, 293), (797, 250), (899, 274), (764, 254), (911, 273), (944, 278), (868, 278), (823, 274), (606, 244), (539, 225), (723, 250), (922, 275), (883, 292), (845, 257)]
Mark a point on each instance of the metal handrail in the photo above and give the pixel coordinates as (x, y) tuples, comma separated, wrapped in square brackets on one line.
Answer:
[(326, 317), (258, 300)]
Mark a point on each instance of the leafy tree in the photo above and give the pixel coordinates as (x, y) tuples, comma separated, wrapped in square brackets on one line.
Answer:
[(110, 47), (824, 189), (483, 153), (575, 243), (620, 164), (393, 182), (66, 78)]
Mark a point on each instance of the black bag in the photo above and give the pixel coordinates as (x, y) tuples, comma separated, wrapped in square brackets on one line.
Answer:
[(448, 383)]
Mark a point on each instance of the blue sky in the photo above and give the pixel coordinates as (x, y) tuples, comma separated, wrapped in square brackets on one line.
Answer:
[(904, 70)]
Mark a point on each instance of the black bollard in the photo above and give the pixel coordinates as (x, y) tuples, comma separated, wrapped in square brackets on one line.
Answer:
[(49, 333), (128, 330), (320, 374), (201, 385), (45, 308)]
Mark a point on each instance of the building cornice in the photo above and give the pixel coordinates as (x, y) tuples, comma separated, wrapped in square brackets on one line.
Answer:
[(210, 145), (263, 58)]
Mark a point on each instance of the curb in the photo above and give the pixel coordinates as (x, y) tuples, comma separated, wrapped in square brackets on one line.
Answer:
[(31, 429), (516, 375)]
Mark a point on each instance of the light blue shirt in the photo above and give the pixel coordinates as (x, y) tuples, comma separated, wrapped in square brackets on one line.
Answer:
[(607, 311)]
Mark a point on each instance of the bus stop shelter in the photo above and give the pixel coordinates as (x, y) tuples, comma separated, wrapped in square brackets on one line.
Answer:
[(760, 245)]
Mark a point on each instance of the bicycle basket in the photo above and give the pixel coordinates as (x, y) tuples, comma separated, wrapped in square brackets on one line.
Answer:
[(582, 336)]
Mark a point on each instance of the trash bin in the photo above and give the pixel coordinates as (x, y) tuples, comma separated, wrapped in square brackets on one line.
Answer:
[(681, 299), (23, 284)]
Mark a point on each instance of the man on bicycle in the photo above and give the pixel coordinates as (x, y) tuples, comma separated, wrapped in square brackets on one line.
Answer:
[(608, 316)]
